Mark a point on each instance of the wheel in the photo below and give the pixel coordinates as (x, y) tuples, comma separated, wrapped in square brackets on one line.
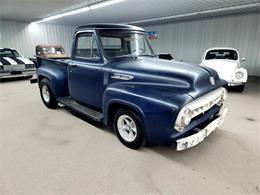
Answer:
[(240, 88), (47, 94), (129, 128)]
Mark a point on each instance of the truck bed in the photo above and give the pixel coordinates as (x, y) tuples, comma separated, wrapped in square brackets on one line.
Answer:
[(41, 61)]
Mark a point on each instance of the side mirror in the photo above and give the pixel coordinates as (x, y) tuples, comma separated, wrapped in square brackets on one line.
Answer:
[(243, 59), (22, 56)]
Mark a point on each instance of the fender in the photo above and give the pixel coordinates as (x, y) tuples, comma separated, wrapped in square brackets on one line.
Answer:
[(156, 108), (57, 77)]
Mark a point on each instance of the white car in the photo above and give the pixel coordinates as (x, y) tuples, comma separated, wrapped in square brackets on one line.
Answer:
[(12, 64), (226, 61)]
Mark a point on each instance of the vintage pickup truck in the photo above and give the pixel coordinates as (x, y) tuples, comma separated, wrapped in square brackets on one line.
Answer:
[(114, 77)]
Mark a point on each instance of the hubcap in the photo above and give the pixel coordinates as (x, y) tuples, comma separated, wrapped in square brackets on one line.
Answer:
[(45, 93), (127, 128)]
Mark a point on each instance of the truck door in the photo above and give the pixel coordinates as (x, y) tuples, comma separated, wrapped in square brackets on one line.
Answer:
[(85, 71)]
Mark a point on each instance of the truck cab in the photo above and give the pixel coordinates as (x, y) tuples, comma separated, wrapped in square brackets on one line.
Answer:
[(115, 77)]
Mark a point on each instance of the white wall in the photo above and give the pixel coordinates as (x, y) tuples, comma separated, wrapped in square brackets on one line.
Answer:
[(24, 37), (188, 40)]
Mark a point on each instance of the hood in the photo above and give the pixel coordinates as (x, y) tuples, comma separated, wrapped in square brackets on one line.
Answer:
[(14, 61), (224, 68), (177, 77)]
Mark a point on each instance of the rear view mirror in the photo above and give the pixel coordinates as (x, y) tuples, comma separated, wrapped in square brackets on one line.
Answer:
[(243, 59)]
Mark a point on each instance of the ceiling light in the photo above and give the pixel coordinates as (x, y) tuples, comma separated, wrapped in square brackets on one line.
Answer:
[(106, 3), (80, 10)]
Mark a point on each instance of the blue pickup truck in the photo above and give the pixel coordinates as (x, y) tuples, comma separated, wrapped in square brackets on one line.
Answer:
[(114, 77)]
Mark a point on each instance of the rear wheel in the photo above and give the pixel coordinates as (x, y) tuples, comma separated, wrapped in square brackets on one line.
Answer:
[(47, 94), (129, 128)]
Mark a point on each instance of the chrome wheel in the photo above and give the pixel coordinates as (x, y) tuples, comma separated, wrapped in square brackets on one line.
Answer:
[(45, 93), (127, 128)]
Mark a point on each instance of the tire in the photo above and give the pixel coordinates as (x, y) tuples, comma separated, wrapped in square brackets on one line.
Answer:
[(240, 88), (47, 94), (132, 136)]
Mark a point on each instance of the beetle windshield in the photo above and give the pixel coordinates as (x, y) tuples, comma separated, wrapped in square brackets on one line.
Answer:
[(221, 54), (125, 43), (8, 53)]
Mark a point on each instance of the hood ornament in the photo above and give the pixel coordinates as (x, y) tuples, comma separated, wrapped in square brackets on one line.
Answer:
[(212, 80)]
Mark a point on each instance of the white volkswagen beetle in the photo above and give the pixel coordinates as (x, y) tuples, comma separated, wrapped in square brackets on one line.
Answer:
[(226, 61)]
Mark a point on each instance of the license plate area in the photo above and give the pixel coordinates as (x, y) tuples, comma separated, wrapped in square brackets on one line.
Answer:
[(16, 72), (14, 67)]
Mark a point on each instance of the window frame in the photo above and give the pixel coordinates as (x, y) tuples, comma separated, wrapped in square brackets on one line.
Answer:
[(94, 38)]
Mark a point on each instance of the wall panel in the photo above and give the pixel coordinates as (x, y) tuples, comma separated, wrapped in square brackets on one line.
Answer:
[(188, 40), (24, 37)]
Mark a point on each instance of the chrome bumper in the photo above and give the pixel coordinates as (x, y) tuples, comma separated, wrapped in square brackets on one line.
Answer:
[(23, 74), (195, 139), (235, 83)]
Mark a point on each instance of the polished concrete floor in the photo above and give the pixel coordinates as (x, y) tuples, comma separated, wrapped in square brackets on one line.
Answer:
[(53, 152)]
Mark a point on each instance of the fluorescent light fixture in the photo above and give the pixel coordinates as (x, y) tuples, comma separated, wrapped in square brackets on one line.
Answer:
[(106, 3), (80, 10)]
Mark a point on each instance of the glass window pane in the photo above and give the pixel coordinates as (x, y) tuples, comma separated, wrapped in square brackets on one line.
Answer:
[(87, 46)]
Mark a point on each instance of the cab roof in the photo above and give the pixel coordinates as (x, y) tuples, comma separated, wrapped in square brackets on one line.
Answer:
[(109, 26), (49, 46)]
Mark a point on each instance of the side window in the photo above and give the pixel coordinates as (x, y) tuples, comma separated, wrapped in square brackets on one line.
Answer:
[(86, 46)]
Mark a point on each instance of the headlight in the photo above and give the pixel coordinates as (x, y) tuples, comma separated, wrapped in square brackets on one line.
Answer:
[(239, 75), (186, 117), (29, 65)]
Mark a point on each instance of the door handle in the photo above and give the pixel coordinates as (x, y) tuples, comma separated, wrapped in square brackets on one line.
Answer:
[(74, 65)]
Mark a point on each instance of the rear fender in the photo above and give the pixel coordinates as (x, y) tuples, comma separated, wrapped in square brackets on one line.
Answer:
[(57, 77)]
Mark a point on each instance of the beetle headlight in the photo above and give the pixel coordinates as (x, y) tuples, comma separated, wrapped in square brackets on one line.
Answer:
[(239, 75)]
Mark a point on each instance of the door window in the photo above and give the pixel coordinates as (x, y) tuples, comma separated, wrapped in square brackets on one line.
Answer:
[(86, 46)]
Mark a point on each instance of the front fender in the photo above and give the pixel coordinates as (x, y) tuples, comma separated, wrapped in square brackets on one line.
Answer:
[(157, 108), (57, 77)]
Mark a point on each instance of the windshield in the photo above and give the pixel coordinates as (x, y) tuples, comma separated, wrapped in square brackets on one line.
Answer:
[(222, 54), (53, 50), (126, 43), (8, 53)]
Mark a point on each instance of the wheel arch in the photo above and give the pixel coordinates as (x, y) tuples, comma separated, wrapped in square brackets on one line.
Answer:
[(59, 86), (117, 104)]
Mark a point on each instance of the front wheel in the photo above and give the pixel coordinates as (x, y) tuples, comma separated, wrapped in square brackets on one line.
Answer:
[(129, 128), (47, 94)]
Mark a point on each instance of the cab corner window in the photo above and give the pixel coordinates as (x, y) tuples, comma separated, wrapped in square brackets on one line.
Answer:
[(86, 47)]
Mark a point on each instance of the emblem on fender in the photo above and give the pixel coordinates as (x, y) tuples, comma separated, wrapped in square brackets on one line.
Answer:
[(122, 76)]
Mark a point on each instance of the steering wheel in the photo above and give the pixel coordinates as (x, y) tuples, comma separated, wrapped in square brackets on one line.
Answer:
[(140, 49)]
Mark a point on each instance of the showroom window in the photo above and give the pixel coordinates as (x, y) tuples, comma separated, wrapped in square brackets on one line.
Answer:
[(87, 46)]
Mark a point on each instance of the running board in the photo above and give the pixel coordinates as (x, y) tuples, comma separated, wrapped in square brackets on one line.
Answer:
[(71, 103)]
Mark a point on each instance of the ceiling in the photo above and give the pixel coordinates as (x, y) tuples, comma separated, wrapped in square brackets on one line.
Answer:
[(128, 11), (32, 10)]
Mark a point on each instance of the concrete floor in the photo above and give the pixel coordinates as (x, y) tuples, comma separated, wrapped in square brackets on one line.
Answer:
[(51, 152)]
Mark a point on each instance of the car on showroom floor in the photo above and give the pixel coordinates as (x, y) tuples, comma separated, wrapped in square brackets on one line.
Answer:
[(13, 65), (226, 61)]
